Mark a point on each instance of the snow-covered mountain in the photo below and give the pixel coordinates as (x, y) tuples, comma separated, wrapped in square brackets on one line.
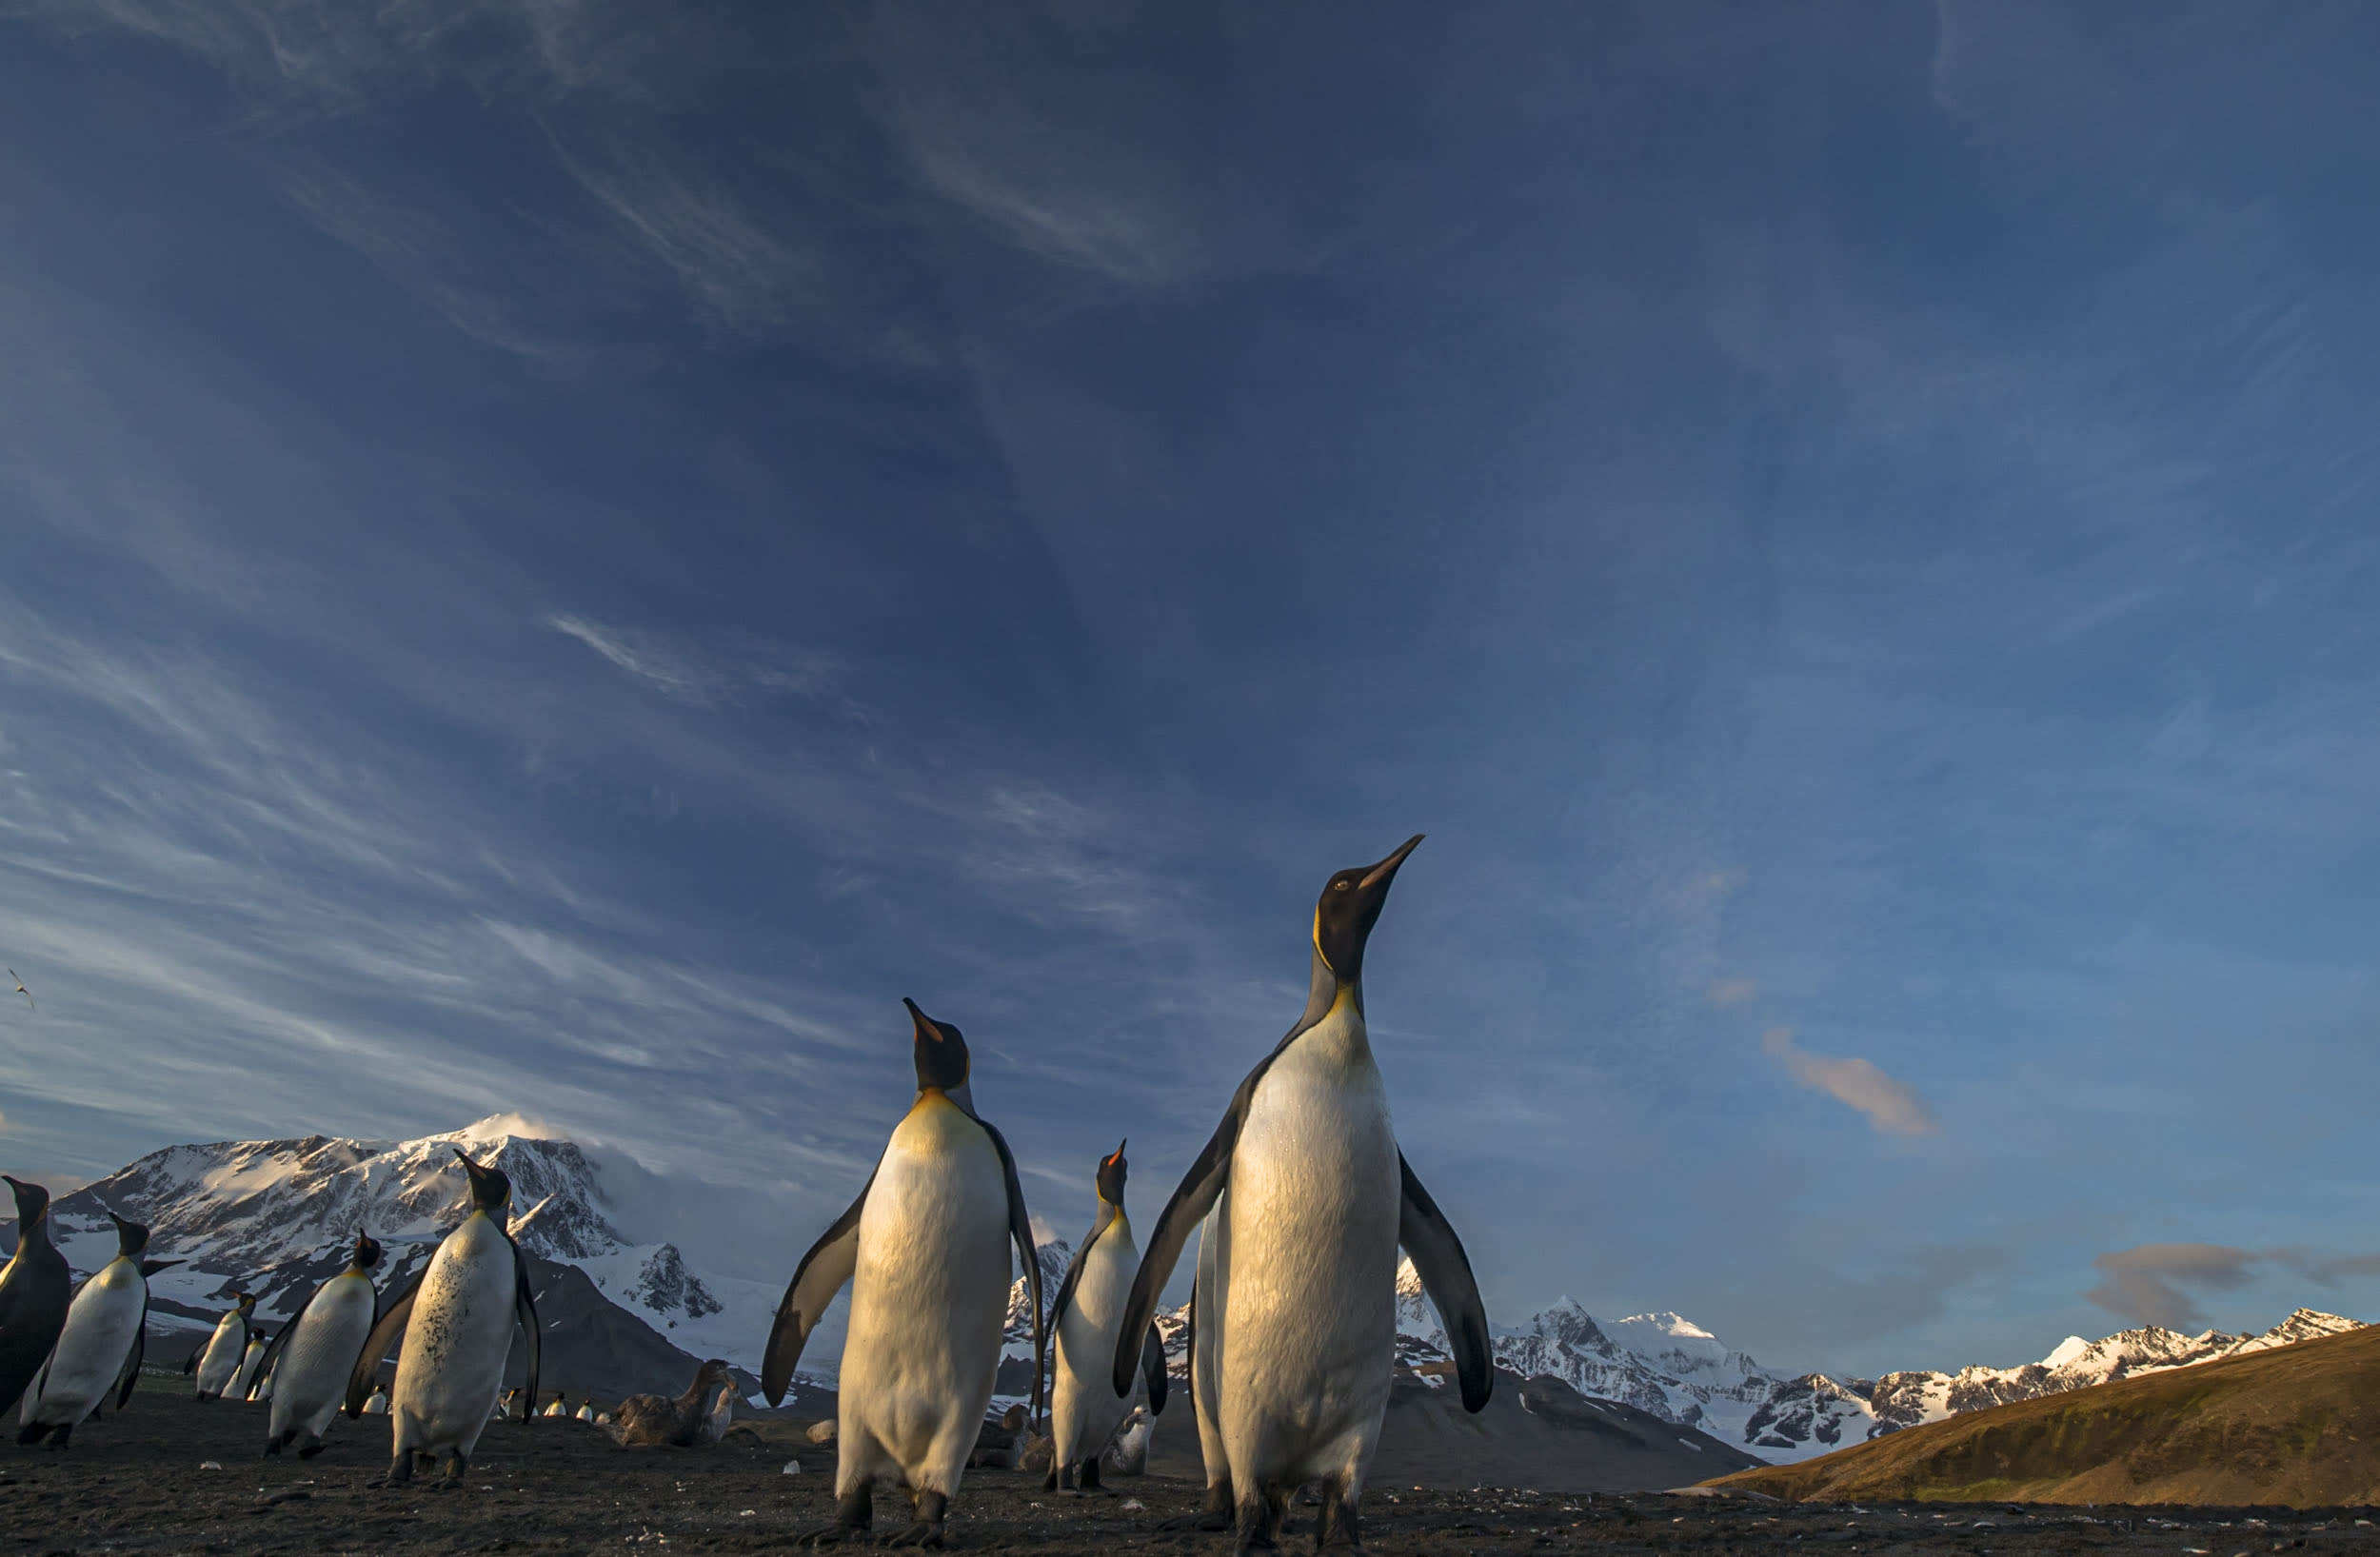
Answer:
[(1813, 1414), (277, 1216), (1677, 1371)]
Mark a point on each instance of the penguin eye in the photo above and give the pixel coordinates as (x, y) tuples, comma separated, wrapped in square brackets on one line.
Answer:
[(1340, 885)]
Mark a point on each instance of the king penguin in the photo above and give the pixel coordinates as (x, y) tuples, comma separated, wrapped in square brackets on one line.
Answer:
[(309, 1361), (925, 1249), (1084, 1319), (99, 1348), (1314, 1199), (252, 1367), (34, 1288), (217, 1359), (455, 1319)]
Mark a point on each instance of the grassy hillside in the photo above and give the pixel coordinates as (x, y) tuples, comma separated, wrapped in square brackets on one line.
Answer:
[(2297, 1425)]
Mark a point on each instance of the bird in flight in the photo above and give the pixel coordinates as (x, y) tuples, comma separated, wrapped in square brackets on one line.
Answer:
[(22, 990)]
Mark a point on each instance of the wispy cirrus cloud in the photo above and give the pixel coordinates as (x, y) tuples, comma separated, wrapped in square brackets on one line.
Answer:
[(706, 676), (1892, 1108)]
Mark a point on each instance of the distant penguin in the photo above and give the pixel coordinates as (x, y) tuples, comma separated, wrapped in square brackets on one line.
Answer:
[(35, 1287), (1084, 1320), (925, 1249), (586, 1411), (308, 1363), (216, 1360), (508, 1409), (252, 1366), (99, 1349), (556, 1408), (455, 1319), (1302, 1311), (722, 1415), (378, 1404)]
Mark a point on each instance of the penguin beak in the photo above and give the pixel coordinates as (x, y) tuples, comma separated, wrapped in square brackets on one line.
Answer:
[(1383, 873)]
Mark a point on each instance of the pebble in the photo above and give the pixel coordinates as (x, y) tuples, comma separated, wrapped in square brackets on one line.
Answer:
[(793, 1468), (210, 1464)]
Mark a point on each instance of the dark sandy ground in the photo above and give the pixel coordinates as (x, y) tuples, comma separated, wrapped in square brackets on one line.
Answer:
[(134, 1483)]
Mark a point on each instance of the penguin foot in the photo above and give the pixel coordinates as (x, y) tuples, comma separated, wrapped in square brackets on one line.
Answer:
[(57, 1439), (832, 1535), (925, 1532), (308, 1451)]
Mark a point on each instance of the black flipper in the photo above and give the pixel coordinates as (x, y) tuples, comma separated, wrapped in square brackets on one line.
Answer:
[(1192, 1200), (189, 1364), (280, 1341), (1021, 1229), (1074, 1270), (387, 1331), (816, 1280), (525, 1309), (131, 1373), (1445, 1273), (1153, 1369)]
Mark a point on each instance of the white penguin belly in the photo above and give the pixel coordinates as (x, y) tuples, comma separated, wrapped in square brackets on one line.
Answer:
[(250, 1360), (1206, 1356), (1308, 1268), (224, 1350), (312, 1377), (90, 1350), (1084, 1409), (929, 1296), (451, 1366)]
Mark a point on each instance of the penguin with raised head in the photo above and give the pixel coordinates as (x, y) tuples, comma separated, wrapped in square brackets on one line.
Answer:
[(1084, 1323), (35, 1286), (455, 1320), (311, 1360), (925, 1249), (216, 1360), (1315, 1200), (99, 1348), (556, 1408)]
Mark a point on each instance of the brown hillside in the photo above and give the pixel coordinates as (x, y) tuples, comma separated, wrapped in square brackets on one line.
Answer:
[(2297, 1425)]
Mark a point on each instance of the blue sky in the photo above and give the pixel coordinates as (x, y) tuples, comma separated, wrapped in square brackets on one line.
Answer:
[(563, 556)]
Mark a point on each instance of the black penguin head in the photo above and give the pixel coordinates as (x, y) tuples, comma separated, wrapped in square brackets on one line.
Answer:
[(149, 1268), (246, 1300), (1350, 907), (32, 1203), (130, 1237), (1111, 1176), (941, 1052), (490, 1189), (366, 1252)]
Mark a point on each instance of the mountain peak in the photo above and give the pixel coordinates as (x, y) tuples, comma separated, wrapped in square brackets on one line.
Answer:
[(1666, 1323)]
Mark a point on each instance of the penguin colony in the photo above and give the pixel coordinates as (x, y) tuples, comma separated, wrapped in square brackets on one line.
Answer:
[(1300, 1202)]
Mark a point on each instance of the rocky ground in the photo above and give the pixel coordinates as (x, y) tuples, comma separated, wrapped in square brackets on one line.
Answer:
[(140, 1482)]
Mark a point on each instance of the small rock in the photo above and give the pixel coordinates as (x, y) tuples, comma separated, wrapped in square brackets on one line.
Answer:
[(822, 1432), (745, 1513), (793, 1468), (1131, 1506), (210, 1464)]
